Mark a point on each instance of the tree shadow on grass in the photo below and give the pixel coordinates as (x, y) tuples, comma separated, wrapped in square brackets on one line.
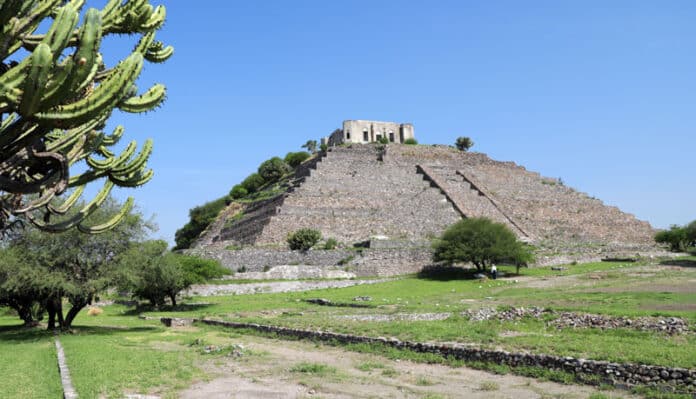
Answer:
[(447, 273), (183, 307), (20, 333), (679, 262)]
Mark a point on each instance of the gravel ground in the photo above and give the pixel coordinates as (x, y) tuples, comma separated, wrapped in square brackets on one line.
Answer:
[(277, 286)]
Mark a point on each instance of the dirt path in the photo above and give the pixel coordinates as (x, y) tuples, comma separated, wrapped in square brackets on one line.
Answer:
[(291, 369)]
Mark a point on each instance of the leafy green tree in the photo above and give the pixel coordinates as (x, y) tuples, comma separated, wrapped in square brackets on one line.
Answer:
[(481, 242), (24, 287), (77, 266), (56, 95), (152, 273), (303, 239), (200, 218), (253, 182), (677, 237), (311, 146), (199, 270), (273, 169), (294, 159), (464, 143), (238, 192)]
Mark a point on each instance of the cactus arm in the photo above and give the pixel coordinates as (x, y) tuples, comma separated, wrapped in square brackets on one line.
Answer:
[(125, 209), (83, 213), (157, 53), (145, 102), (106, 95), (136, 163), (63, 208), (41, 60), (133, 181)]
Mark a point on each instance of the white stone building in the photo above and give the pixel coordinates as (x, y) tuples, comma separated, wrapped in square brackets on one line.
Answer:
[(363, 132)]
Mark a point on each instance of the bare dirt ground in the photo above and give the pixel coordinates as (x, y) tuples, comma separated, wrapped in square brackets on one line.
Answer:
[(270, 370)]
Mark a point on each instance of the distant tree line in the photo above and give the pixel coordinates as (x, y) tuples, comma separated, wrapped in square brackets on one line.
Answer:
[(679, 238)]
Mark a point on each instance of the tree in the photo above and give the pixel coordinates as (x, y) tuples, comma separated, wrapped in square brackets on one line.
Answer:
[(238, 192), (463, 143), (23, 287), (200, 218), (311, 146), (73, 265), (152, 273), (679, 238), (303, 239), (253, 182), (481, 242), (54, 104), (273, 169), (294, 159)]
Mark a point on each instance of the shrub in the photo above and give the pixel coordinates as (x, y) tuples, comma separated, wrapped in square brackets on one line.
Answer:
[(273, 169), (411, 141), (303, 239), (199, 219), (323, 147), (253, 182), (294, 159), (330, 243), (463, 143), (481, 242), (678, 238), (198, 270), (383, 140), (150, 272), (238, 192)]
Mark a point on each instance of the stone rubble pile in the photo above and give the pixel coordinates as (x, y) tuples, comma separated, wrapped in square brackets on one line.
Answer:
[(667, 325)]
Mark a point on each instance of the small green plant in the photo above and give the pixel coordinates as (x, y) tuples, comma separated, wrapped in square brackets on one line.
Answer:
[(423, 381), (242, 269), (266, 268), (313, 368), (489, 386), (383, 140), (464, 143), (345, 260), (389, 372), (233, 247), (303, 239), (369, 366), (411, 141), (294, 159), (323, 147), (330, 244)]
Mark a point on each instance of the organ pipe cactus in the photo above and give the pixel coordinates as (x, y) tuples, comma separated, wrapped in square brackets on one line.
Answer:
[(54, 104)]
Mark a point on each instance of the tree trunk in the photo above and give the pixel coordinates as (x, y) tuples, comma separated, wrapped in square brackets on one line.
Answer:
[(72, 313), (54, 305), (173, 298)]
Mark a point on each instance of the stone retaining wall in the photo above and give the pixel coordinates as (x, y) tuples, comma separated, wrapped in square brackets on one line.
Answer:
[(365, 262), (617, 373)]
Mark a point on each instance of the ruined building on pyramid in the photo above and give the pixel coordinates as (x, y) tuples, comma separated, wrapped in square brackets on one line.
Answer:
[(397, 198)]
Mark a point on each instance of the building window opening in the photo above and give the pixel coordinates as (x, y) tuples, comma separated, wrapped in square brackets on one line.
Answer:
[(347, 135), (366, 137), (391, 137), (379, 137)]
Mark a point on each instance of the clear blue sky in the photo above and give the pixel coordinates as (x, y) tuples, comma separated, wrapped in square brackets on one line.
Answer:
[(601, 94)]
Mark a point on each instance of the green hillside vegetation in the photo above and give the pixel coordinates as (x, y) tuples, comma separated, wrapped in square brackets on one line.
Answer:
[(272, 178)]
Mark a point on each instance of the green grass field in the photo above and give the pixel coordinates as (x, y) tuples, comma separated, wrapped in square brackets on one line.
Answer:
[(117, 352)]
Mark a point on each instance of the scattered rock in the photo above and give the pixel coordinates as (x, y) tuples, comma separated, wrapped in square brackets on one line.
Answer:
[(363, 298)]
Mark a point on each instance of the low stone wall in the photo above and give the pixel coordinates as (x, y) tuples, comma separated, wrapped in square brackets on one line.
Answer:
[(617, 373), (364, 262)]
